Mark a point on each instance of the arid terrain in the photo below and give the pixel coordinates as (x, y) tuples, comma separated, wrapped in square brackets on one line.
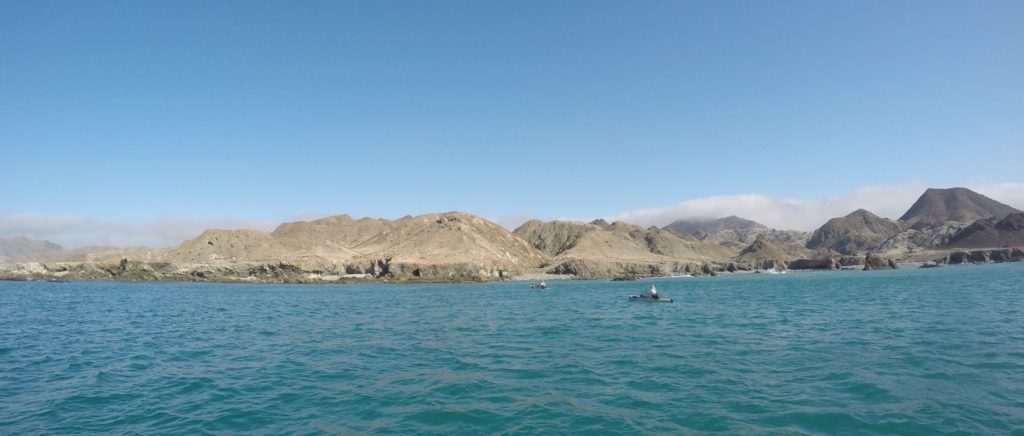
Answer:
[(944, 226)]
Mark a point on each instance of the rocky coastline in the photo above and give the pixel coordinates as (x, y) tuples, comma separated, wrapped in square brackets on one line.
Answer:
[(460, 247)]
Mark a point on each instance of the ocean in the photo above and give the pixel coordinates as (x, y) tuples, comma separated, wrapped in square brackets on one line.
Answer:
[(929, 351)]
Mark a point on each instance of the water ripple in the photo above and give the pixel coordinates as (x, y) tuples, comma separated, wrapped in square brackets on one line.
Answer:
[(888, 352)]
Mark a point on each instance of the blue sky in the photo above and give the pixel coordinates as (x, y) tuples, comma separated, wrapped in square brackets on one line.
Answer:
[(250, 110)]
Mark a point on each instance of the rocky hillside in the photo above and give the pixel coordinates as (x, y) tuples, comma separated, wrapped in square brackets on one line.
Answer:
[(441, 246), (763, 254), (22, 249), (332, 237), (217, 245), (618, 249), (854, 233), (939, 206), (991, 233), (450, 239), (907, 243), (555, 237)]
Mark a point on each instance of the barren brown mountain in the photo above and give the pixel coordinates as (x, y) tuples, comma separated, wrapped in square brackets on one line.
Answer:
[(938, 206), (853, 233)]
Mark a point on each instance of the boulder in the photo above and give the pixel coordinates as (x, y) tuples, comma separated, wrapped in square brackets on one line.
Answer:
[(874, 261)]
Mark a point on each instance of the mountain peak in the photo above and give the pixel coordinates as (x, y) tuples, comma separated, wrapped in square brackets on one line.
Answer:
[(853, 233), (936, 206)]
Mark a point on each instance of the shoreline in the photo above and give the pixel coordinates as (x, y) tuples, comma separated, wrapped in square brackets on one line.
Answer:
[(47, 276)]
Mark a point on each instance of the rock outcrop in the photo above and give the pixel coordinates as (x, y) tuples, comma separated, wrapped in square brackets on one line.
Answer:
[(854, 233), (824, 263), (984, 256), (874, 261)]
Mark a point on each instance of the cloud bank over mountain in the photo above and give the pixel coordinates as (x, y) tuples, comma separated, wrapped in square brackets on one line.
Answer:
[(808, 213)]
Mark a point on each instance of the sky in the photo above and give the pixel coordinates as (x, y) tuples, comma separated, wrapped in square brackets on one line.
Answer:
[(141, 123)]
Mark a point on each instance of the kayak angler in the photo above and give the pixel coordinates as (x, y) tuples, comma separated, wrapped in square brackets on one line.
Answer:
[(652, 296)]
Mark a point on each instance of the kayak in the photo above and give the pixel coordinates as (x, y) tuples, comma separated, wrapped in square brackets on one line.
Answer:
[(652, 300)]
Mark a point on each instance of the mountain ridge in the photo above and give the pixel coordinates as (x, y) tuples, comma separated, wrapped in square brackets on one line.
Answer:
[(713, 225), (455, 246)]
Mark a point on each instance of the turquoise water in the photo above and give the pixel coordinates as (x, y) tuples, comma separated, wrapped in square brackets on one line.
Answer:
[(887, 352)]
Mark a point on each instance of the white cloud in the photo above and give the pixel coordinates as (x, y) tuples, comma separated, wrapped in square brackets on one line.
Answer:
[(808, 213), (1007, 192), (70, 231)]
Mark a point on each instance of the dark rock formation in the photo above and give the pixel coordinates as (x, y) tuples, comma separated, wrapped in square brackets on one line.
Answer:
[(874, 261), (823, 264), (984, 256), (991, 233)]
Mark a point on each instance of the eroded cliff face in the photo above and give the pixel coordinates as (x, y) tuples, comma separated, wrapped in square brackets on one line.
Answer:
[(984, 256)]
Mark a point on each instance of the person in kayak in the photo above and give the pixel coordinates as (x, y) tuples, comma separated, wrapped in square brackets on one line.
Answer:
[(654, 292)]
